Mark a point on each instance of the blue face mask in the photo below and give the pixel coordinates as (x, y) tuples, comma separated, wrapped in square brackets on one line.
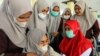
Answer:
[(54, 13), (70, 34)]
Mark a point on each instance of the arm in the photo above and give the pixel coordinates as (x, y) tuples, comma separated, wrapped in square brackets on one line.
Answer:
[(3, 46), (60, 30), (94, 31), (87, 52)]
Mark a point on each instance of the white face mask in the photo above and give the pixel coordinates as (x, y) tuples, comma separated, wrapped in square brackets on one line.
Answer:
[(43, 16), (44, 48), (66, 17), (22, 24)]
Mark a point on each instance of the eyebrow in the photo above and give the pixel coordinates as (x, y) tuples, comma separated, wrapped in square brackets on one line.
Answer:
[(44, 41)]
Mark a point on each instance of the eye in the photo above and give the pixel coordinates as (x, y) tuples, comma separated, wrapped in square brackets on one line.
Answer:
[(67, 28), (41, 42)]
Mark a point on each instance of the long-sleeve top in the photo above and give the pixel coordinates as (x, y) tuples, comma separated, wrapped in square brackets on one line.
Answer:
[(7, 47), (85, 53), (93, 31)]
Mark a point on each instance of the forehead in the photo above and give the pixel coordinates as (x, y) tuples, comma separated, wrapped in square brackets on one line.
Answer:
[(77, 6), (67, 11), (45, 9), (44, 37), (56, 7), (67, 26)]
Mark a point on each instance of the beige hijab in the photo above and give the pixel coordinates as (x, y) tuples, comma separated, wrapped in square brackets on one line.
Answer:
[(66, 9), (54, 21), (34, 37), (87, 20), (64, 20), (10, 10), (36, 21)]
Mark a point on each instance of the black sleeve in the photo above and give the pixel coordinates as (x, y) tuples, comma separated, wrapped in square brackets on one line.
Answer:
[(94, 31), (60, 30), (3, 46)]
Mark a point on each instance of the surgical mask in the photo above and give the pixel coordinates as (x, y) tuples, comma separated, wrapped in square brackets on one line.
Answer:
[(70, 34), (54, 13), (66, 17), (44, 48), (42, 16), (21, 24)]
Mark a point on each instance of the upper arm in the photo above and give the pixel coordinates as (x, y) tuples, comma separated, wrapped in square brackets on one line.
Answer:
[(93, 31), (96, 29), (3, 42), (87, 52)]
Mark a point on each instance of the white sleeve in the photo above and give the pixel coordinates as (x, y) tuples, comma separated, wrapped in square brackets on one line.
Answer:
[(63, 55), (87, 52)]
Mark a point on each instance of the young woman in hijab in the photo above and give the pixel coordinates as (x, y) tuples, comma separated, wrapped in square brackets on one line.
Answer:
[(75, 43), (89, 24), (14, 16), (65, 17), (40, 15), (66, 14), (54, 26), (38, 42)]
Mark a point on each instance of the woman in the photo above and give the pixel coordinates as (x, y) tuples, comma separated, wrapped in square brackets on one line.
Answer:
[(40, 17), (54, 19), (14, 16), (75, 43), (88, 23), (54, 26), (65, 17), (66, 14), (38, 42)]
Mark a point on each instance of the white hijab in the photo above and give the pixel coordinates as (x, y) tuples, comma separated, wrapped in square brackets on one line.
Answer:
[(87, 20), (12, 9), (54, 21), (36, 21)]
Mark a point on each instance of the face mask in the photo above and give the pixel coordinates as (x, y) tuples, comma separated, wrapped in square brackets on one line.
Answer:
[(70, 34), (22, 24), (55, 14), (42, 16), (66, 17), (44, 48)]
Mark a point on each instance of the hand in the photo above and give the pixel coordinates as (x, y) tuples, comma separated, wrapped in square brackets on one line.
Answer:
[(31, 54), (46, 54), (91, 40), (55, 34)]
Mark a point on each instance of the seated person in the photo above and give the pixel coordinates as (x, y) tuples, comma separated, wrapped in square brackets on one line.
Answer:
[(75, 43), (38, 42)]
